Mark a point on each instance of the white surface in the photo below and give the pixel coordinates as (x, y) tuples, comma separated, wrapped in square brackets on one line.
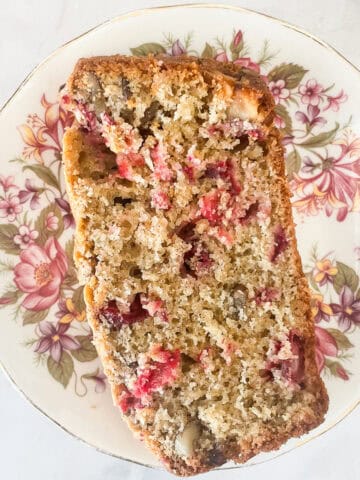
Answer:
[(30, 446)]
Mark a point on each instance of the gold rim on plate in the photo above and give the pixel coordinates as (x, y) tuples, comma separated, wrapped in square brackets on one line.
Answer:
[(136, 13)]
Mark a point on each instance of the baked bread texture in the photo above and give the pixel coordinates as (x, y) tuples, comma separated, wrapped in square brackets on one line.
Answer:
[(185, 243)]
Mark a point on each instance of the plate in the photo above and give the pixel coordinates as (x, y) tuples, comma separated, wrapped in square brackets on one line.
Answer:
[(45, 346)]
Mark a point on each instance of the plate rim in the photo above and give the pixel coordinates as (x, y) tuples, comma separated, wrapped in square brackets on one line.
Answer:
[(115, 19)]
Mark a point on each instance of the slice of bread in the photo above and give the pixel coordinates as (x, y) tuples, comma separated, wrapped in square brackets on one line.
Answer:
[(186, 246)]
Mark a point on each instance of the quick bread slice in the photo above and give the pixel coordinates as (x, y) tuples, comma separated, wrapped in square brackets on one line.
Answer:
[(186, 246)]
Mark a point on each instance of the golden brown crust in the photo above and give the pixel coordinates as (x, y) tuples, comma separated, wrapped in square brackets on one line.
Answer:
[(245, 83)]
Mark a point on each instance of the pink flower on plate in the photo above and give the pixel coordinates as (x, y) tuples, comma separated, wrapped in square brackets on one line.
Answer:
[(31, 192), (53, 339), (246, 62), (177, 48), (10, 207), (325, 345), (350, 145), (348, 308), (7, 183), (279, 121), (238, 38), (287, 139), (44, 134), (342, 373), (52, 222), (319, 309), (221, 57), (309, 165), (334, 102), (311, 92), (312, 118), (68, 217), (335, 187), (100, 381), (324, 271), (278, 90), (25, 237), (40, 273)]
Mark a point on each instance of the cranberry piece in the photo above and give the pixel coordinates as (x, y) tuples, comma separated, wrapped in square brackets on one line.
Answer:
[(186, 268), (124, 166), (186, 231), (280, 243), (136, 313), (210, 206), (203, 260), (216, 170), (255, 134), (107, 119), (226, 171), (189, 172), (155, 308), (160, 200), (293, 369), (235, 184), (251, 212), (161, 169), (85, 116), (205, 357), (197, 261), (161, 372), (127, 401), (111, 313), (266, 294), (126, 162), (65, 99), (93, 138), (225, 237)]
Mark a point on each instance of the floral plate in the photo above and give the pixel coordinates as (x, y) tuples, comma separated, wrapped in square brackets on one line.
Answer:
[(45, 346)]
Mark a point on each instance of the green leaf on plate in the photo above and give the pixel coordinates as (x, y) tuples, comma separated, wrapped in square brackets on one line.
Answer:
[(86, 352), (208, 52), (146, 48), (236, 49), (345, 276), (62, 371), (69, 250), (312, 282), (336, 369), (293, 163), (320, 140), (45, 174), (9, 297), (7, 233), (284, 114), (34, 317), (40, 223), (291, 73), (78, 299), (341, 339), (71, 277)]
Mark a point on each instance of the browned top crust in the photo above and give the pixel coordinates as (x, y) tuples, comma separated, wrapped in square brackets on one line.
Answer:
[(246, 82)]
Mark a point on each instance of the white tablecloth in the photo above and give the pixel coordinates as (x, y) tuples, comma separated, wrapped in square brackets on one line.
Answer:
[(31, 447)]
